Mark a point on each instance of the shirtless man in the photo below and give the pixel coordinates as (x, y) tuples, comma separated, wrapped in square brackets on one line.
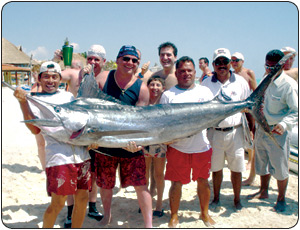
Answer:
[(167, 56), (203, 65), (95, 55), (292, 72), (70, 76), (237, 61)]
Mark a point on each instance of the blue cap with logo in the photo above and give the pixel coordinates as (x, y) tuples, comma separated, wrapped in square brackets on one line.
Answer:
[(128, 50)]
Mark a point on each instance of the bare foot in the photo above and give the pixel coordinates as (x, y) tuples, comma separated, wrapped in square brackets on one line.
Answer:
[(258, 195), (248, 182), (280, 206), (215, 206), (173, 221), (238, 206), (207, 220), (105, 221)]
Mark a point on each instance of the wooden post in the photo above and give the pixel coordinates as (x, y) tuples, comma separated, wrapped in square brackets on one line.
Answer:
[(16, 75)]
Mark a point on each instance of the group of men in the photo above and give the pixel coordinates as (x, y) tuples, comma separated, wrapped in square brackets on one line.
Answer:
[(203, 153)]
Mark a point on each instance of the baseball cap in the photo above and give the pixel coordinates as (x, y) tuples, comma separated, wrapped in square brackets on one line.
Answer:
[(96, 50), (288, 50), (238, 56), (50, 66), (127, 50), (221, 52)]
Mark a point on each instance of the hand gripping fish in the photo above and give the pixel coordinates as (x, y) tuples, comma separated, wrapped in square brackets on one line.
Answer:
[(95, 117)]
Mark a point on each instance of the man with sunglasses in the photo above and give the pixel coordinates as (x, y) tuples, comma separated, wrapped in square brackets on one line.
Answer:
[(281, 112), (227, 139), (237, 62), (123, 85)]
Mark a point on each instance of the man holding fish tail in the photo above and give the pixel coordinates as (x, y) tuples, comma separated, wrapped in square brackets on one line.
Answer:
[(227, 139), (281, 112)]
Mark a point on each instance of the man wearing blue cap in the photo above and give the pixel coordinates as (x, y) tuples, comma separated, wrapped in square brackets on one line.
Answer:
[(123, 85)]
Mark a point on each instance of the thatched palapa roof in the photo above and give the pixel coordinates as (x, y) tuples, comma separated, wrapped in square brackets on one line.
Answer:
[(12, 55)]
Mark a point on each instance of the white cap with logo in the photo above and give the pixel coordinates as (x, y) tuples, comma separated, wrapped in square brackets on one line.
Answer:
[(50, 66), (221, 52)]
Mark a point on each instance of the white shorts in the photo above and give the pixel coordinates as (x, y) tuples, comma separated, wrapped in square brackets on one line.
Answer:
[(228, 145)]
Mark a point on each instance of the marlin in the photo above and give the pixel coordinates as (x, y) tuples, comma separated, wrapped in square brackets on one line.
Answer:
[(95, 117)]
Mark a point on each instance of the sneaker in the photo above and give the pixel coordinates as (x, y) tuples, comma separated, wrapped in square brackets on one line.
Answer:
[(68, 222), (95, 215)]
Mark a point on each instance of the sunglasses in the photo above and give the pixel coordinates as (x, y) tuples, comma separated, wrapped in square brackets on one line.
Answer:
[(271, 68), (236, 60), (224, 62), (127, 59)]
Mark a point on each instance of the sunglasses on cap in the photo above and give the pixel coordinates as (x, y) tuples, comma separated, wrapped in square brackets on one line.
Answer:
[(127, 59), (236, 60), (223, 62)]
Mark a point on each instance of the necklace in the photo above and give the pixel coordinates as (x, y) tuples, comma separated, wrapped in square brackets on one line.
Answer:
[(122, 90)]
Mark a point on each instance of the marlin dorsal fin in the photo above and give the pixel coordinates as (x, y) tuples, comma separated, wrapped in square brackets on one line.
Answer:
[(89, 89)]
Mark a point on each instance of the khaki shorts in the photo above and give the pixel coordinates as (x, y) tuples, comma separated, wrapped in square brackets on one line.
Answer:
[(227, 145), (269, 158)]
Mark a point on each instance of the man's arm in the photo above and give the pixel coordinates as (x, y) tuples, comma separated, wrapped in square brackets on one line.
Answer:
[(144, 96), (252, 82), (20, 94)]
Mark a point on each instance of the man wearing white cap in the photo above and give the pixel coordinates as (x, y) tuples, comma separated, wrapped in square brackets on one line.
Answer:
[(227, 139), (237, 62), (95, 56), (65, 175), (292, 72)]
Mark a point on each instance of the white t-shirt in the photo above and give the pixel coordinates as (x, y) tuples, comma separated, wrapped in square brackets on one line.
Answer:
[(59, 153), (235, 88), (199, 142)]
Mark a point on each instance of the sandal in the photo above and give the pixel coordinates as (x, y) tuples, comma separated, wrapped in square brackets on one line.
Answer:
[(158, 213)]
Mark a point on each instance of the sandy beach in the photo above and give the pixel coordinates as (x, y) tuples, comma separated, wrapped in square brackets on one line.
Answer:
[(24, 197)]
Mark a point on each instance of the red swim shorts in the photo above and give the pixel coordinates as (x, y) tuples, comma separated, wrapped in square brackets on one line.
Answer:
[(179, 165), (66, 179), (132, 171)]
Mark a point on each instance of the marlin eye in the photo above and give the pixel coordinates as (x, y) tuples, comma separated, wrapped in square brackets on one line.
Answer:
[(57, 109)]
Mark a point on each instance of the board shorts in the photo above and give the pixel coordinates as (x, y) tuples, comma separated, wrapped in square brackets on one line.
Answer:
[(157, 151), (227, 145), (66, 179), (132, 171), (179, 165), (269, 158)]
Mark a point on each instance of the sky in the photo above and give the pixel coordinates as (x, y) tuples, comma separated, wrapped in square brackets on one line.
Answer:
[(196, 28)]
